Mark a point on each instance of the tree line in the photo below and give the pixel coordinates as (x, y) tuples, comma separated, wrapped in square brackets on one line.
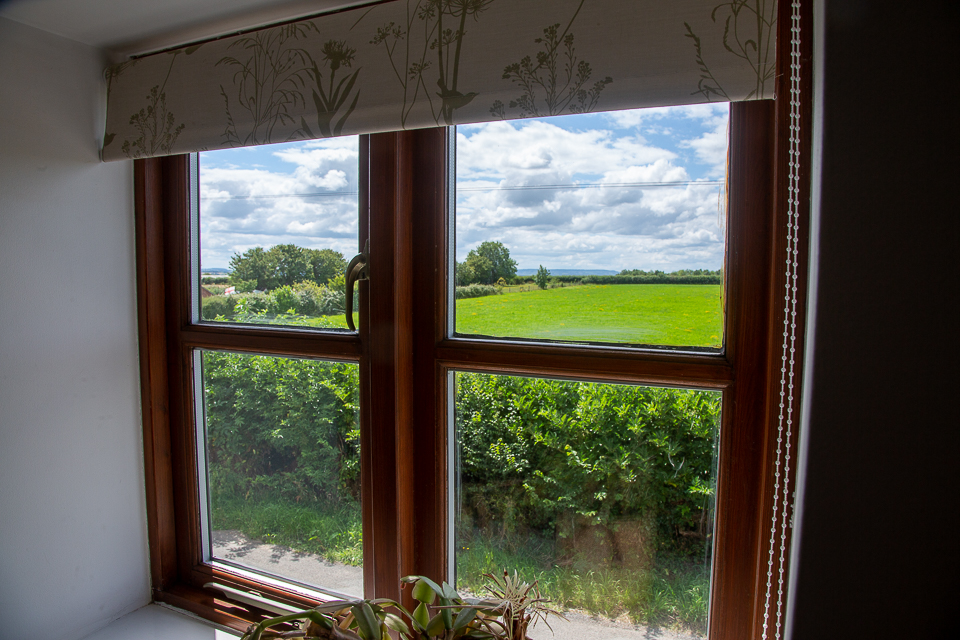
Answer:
[(488, 264), (284, 265)]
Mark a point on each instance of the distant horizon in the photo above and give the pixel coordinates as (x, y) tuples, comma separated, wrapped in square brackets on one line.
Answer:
[(221, 271)]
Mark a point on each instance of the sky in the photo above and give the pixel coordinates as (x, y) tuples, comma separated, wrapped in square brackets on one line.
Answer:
[(620, 190)]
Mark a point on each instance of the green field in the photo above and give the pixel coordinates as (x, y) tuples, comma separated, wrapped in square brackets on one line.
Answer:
[(685, 315), (662, 314)]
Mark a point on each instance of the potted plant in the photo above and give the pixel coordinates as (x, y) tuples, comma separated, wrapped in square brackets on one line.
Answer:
[(510, 608)]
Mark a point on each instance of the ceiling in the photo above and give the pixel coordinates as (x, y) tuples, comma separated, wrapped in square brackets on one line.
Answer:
[(130, 27)]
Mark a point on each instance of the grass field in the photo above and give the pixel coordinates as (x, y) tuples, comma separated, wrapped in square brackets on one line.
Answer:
[(686, 315), (662, 314)]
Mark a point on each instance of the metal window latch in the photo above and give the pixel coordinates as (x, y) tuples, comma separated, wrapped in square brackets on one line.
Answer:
[(358, 269)]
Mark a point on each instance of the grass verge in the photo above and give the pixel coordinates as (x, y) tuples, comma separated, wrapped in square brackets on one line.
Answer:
[(675, 593), (333, 532)]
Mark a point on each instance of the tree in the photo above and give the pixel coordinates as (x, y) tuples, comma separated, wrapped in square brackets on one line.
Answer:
[(285, 264), (325, 264), (477, 269), (498, 257), (542, 277), (290, 264), (252, 265), (463, 274)]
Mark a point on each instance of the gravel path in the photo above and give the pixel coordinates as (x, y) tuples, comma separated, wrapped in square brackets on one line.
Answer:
[(314, 570)]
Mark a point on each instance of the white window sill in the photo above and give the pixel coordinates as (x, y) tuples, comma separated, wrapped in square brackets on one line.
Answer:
[(154, 622)]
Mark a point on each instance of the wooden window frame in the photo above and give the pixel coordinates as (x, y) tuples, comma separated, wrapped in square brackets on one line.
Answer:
[(403, 323)]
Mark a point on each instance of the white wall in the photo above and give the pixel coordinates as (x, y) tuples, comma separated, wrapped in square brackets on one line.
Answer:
[(72, 518)]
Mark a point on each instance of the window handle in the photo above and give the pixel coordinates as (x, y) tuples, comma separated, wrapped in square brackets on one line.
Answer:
[(358, 269)]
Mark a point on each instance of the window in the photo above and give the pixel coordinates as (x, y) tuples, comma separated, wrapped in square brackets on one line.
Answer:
[(408, 357), (404, 337)]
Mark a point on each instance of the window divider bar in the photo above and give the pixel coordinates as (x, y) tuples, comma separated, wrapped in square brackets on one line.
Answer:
[(702, 372), (430, 431), (337, 346), (378, 318)]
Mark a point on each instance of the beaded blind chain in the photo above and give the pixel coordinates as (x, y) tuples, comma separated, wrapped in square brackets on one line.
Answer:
[(782, 491)]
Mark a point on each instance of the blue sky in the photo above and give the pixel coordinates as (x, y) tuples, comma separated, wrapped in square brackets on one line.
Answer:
[(570, 192)]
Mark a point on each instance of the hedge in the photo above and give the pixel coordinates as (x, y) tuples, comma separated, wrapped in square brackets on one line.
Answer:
[(533, 452), (652, 279), (475, 291)]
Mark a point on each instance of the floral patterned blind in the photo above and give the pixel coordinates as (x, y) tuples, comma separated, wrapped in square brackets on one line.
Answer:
[(412, 64)]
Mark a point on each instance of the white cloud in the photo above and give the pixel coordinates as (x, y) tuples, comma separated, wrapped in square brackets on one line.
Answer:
[(637, 117), (605, 226), (520, 150), (711, 147), (308, 198)]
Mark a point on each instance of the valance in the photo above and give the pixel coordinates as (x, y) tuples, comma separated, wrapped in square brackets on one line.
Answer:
[(411, 64)]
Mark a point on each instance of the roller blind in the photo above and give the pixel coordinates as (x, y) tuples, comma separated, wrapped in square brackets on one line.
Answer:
[(412, 64)]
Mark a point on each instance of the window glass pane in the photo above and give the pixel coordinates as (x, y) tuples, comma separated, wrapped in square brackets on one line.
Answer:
[(604, 227), (601, 492), (283, 467), (278, 224)]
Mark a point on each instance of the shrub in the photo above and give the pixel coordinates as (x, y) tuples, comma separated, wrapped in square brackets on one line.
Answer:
[(282, 300), (334, 298), (243, 286), (653, 279), (282, 427), (535, 454), (309, 298), (543, 277), (475, 291), (215, 306), (252, 303), (216, 289)]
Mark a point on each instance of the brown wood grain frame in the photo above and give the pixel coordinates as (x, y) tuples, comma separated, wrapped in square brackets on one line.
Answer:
[(406, 355)]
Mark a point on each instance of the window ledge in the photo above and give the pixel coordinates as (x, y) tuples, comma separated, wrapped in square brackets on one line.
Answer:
[(157, 622)]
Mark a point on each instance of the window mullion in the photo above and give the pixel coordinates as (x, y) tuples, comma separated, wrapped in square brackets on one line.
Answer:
[(384, 331)]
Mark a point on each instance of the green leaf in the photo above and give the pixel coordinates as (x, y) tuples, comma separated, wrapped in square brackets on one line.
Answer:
[(335, 605), (449, 592), (435, 627), (426, 590), (421, 616), (367, 621), (395, 622), (447, 614), (465, 617)]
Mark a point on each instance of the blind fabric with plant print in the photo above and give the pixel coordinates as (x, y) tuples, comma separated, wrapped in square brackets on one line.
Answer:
[(412, 64)]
